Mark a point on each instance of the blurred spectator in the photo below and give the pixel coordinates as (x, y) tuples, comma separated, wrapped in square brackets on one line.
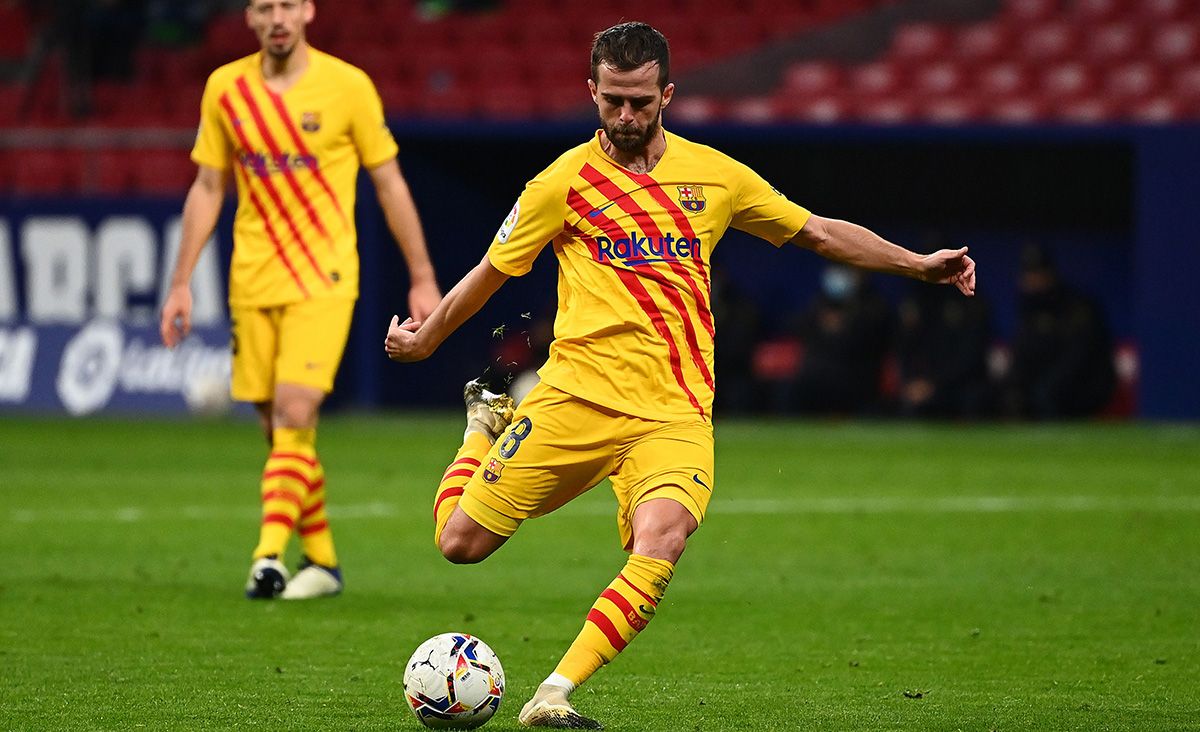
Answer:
[(941, 350), (844, 334), (1062, 356)]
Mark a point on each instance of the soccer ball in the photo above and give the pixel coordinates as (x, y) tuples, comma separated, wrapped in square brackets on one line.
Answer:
[(453, 681)]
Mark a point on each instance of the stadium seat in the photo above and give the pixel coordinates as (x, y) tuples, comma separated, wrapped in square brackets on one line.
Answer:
[(1091, 110), (1133, 81), (1049, 42), (1068, 80), (1157, 110), (812, 77), (1185, 83), (1004, 79), (876, 79), (1019, 110), (1113, 42), (920, 42), (938, 79), (821, 109), (751, 110), (888, 110), (1095, 11), (15, 31), (46, 172), (1025, 12), (952, 110), (983, 42), (695, 110), (1159, 11), (1176, 43)]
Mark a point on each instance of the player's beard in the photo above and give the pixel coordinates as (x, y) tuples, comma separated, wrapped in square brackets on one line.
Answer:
[(628, 138)]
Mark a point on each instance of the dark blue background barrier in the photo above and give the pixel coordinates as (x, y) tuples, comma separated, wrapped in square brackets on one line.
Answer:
[(1113, 205)]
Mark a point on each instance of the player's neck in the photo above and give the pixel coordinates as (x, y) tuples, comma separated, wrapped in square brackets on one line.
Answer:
[(280, 74), (642, 161)]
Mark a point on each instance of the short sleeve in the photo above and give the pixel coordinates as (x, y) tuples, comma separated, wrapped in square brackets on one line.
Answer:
[(761, 210), (372, 138), (536, 218), (212, 147)]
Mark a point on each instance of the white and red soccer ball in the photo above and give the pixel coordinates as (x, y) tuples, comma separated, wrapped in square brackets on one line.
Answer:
[(453, 681)]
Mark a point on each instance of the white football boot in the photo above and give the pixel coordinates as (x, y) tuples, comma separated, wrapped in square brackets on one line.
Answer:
[(549, 708), (487, 413), (313, 580)]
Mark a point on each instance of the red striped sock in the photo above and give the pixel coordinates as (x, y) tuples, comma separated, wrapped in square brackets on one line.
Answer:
[(475, 446), (287, 480), (316, 538), (620, 613)]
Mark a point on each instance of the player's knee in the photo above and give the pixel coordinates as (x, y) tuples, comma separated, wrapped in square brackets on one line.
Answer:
[(666, 542), (462, 548)]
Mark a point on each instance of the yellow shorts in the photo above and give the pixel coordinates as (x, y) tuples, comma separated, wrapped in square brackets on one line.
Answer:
[(300, 343), (560, 446)]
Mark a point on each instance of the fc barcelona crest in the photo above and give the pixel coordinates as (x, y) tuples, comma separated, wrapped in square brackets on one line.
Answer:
[(691, 198), (491, 473), (310, 121)]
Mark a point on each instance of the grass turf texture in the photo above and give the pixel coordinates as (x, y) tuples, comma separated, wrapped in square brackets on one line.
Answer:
[(849, 577)]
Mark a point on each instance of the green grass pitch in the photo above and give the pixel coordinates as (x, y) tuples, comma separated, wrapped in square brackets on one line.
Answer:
[(849, 577)]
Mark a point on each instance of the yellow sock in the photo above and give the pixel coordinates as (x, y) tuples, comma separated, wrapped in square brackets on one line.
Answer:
[(286, 482), (474, 448), (620, 613), (316, 538)]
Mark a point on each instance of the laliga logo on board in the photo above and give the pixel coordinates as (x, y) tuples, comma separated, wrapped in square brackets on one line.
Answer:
[(691, 197)]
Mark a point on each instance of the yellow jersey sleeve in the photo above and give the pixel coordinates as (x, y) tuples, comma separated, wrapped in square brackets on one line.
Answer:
[(761, 210), (213, 147), (535, 220), (371, 135)]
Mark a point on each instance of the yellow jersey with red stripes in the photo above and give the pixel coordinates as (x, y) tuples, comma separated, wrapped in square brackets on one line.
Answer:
[(295, 156), (634, 329)]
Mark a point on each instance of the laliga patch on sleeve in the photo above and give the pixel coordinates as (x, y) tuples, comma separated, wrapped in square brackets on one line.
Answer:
[(509, 223)]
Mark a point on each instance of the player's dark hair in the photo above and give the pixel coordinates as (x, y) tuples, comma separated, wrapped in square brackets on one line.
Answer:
[(627, 46)]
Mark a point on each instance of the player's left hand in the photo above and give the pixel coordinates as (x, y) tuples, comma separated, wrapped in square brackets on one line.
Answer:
[(423, 297), (951, 267), (401, 343)]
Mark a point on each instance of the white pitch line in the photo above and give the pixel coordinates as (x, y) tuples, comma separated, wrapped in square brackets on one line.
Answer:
[(732, 506)]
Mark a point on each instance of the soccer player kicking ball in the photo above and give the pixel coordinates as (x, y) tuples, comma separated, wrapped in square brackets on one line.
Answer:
[(292, 125), (633, 216)]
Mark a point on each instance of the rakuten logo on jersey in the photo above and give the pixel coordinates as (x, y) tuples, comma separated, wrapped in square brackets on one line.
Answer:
[(636, 249)]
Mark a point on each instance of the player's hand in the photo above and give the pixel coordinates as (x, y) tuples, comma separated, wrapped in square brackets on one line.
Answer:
[(402, 343), (950, 267), (423, 297), (176, 316)]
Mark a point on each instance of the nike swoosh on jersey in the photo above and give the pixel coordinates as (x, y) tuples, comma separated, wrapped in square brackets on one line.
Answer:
[(696, 478), (597, 211)]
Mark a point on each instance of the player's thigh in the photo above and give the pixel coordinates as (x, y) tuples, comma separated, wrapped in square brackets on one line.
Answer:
[(663, 460), (556, 448), (254, 345), (312, 339)]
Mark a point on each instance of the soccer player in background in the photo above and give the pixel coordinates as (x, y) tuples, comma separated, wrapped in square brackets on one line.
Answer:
[(633, 216), (293, 124)]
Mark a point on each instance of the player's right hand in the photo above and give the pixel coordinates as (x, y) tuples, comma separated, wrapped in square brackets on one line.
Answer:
[(176, 320)]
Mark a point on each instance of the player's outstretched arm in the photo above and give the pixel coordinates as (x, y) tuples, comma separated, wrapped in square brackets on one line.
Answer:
[(200, 212), (855, 245), (396, 200), (414, 340)]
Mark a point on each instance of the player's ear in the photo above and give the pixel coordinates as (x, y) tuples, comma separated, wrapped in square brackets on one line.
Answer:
[(592, 89), (668, 94), (310, 11)]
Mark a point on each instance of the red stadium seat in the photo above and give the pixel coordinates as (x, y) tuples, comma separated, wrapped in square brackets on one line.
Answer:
[(1094, 11), (166, 173), (1185, 83), (939, 79), (1019, 110), (822, 109), (876, 79), (1113, 42), (1133, 81), (46, 172), (1157, 110), (1090, 111), (983, 42), (1068, 80), (888, 110), (15, 31), (752, 110), (1176, 43), (109, 173), (953, 110), (1049, 42), (1160, 11), (920, 42), (1030, 11), (812, 77), (1004, 79), (695, 110)]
